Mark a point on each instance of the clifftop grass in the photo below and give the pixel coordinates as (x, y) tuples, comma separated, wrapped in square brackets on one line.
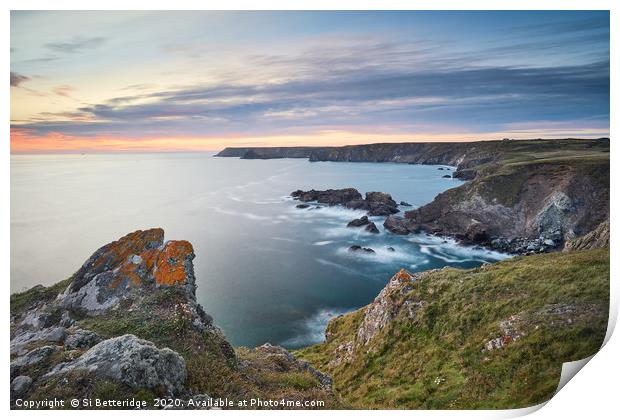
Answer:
[(557, 302)]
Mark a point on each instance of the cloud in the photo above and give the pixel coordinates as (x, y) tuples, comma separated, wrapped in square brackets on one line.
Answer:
[(17, 79), (64, 90), (75, 45), (338, 82)]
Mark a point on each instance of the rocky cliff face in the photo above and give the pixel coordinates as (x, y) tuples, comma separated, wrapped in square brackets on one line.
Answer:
[(523, 196), (127, 325), (527, 206), (490, 337), (597, 238)]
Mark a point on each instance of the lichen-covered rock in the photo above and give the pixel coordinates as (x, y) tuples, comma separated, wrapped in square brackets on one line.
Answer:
[(33, 357), (385, 307), (81, 339), (133, 362), (20, 384), (27, 338), (138, 260)]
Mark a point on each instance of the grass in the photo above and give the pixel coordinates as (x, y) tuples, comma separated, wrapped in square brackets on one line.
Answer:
[(21, 302), (435, 360)]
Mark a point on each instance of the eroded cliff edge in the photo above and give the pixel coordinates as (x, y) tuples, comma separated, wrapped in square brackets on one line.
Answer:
[(493, 337), (127, 325)]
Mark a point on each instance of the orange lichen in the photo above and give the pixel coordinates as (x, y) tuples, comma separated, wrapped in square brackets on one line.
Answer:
[(170, 264), (117, 252), (403, 275)]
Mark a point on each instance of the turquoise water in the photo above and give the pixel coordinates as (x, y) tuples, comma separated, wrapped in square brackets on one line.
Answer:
[(266, 271)]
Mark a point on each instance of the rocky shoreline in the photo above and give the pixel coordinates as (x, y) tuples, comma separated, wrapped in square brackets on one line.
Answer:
[(523, 196), (127, 325)]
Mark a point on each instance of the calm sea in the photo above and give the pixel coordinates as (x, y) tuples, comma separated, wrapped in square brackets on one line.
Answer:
[(266, 271)]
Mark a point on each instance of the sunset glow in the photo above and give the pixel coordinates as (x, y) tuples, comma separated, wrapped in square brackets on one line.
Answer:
[(185, 81)]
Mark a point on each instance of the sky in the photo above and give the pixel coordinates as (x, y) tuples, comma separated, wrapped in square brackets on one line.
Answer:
[(199, 80)]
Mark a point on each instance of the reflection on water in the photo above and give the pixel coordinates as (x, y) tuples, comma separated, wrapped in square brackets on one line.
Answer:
[(266, 270)]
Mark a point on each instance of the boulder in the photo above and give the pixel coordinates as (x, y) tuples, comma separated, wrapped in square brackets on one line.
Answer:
[(362, 221), (302, 206), (372, 228), (405, 204), (134, 362), (447, 176), (358, 248)]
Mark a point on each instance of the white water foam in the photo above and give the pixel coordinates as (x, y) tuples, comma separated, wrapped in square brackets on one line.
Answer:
[(312, 329)]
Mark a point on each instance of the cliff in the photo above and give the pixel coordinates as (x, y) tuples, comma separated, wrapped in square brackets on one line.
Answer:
[(523, 196), (127, 325), (491, 337), (521, 203)]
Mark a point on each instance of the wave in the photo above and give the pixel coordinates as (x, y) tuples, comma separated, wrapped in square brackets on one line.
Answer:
[(450, 251), (313, 328), (321, 243)]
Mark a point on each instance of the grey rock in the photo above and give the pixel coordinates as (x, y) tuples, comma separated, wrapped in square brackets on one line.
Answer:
[(358, 248), (132, 361), (398, 225), (20, 384), (82, 339), (52, 334), (405, 204), (359, 222), (302, 206), (372, 228), (33, 357)]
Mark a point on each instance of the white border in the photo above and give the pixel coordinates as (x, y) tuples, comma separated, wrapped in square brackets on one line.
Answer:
[(592, 394)]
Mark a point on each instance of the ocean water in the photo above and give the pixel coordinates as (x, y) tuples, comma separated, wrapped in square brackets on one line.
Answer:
[(266, 271)]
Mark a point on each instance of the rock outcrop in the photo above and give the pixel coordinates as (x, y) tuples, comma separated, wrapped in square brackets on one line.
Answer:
[(525, 196), (375, 203), (362, 221), (452, 338), (128, 321), (597, 238), (133, 362)]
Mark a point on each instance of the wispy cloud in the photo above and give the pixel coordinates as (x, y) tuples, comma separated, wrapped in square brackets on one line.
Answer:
[(17, 79), (503, 76), (75, 45)]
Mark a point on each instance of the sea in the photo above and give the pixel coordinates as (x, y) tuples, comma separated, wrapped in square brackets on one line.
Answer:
[(266, 271)]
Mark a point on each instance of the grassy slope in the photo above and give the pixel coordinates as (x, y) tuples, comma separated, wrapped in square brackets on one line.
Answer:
[(160, 319), (435, 360), (503, 178)]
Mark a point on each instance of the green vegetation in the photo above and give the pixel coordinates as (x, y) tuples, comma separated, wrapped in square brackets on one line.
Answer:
[(555, 304), (21, 302)]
